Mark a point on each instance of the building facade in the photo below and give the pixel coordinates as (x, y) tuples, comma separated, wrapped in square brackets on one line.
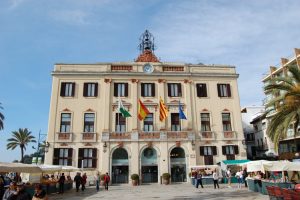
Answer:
[(289, 147), (86, 129)]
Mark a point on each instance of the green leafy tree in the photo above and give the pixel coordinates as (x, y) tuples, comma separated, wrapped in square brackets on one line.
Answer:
[(1, 118), (286, 104), (20, 138)]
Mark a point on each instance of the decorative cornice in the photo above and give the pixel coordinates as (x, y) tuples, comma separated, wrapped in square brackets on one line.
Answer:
[(66, 110), (161, 80), (135, 80), (89, 110), (107, 80)]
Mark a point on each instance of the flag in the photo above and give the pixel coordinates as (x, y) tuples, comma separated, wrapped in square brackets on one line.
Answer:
[(163, 111), (181, 113), (143, 111), (122, 110)]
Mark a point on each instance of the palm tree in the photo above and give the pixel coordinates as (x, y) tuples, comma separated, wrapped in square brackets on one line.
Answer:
[(20, 138), (1, 118), (286, 103)]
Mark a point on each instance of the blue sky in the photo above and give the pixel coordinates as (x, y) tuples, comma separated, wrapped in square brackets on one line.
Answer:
[(36, 34)]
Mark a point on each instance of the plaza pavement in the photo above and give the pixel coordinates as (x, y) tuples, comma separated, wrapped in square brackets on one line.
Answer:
[(162, 192)]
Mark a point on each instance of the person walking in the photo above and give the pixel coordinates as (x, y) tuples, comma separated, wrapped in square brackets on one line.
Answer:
[(239, 180), (216, 179), (106, 180), (61, 183), (97, 181), (77, 180), (199, 179), (228, 175), (245, 174), (83, 181)]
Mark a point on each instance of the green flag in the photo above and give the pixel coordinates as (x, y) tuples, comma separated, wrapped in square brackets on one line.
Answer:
[(122, 110)]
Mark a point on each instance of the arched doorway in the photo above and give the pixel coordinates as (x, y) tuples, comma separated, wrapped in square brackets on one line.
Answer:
[(178, 165), (120, 166), (149, 166)]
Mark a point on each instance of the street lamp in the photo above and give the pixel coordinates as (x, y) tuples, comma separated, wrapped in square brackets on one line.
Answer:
[(47, 145), (104, 147)]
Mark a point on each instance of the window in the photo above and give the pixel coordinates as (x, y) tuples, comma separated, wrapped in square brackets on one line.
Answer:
[(62, 156), (208, 152), (90, 90), (87, 158), (148, 122), (201, 90), (89, 121), (120, 123), (230, 150), (224, 90), (175, 123), (174, 90), (65, 124), (121, 89), (147, 89), (226, 122), (67, 89), (205, 122)]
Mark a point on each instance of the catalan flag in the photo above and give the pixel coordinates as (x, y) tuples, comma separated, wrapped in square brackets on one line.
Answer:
[(143, 111), (163, 111)]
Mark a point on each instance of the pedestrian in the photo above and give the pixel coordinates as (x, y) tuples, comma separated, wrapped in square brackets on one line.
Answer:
[(77, 180), (199, 179), (10, 191), (2, 184), (106, 180), (97, 181), (17, 178), (239, 180), (228, 175), (83, 181), (61, 182), (39, 194), (245, 174), (21, 193), (216, 179)]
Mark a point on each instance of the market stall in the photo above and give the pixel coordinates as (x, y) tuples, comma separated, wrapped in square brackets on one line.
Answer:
[(234, 166), (207, 171)]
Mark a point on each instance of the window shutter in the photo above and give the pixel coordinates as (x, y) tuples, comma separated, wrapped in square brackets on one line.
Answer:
[(214, 150), (169, 89), (62, 89), (236, 149), (228, 90), (80, 157), (219, 91), (73, 89), (198, 90), (116, 89), (94, 162), (96, 89), (70, 156), (201, 151), (85, 88), (142, 89), (179, 90), (56, 157), (126, 89), (204, 90), (224, 150), (152, 89)]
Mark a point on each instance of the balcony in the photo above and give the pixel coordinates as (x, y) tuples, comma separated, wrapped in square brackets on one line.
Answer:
[(148, 136), (229, 135), (89, 137), (64, 137), (207, 135)]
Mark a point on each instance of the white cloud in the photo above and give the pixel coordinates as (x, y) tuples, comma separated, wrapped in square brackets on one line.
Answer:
[(16, 3), (72, 17)]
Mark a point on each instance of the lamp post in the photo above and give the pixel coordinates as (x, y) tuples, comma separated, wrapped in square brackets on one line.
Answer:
[(104, 147)]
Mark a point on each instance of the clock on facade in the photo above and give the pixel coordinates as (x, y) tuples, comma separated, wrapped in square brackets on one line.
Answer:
[(148, 68)]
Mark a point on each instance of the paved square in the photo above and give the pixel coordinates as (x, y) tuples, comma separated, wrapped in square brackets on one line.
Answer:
[(155, 191)]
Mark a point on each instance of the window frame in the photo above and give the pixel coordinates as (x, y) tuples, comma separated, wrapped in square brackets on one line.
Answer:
[(204, 124), (201, 89), (90, 89), (121, 89), (224, 90), (148, 125), (175, 122), (67, 89), (120, 123), (88, 124), (174, 90), (148, 89), (65, 125), (226, 124)]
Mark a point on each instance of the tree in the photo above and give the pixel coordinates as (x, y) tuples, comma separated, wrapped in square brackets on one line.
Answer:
[(20, 138), (285, 103), (1, 118)]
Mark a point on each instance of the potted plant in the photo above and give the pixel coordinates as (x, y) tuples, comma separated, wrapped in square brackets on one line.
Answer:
[(102, 179), (135, 179), (166, 178)]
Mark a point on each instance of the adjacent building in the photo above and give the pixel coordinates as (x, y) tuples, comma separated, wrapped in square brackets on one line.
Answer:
[(86, 129), (289, 147)]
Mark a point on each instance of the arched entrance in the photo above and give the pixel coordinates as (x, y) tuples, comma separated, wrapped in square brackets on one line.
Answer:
[(178, 165), (149, 166), (120, 166)]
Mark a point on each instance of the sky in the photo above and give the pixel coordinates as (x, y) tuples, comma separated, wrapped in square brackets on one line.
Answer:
[(36, 34)]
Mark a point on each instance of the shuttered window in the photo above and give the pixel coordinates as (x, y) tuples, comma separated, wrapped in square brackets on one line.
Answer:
[(87, 158), (147, 89), (90, 89), (224, 90), (120, 89), (174, 90), (175, 123), (67, 89), (201, 90), (63, 156)]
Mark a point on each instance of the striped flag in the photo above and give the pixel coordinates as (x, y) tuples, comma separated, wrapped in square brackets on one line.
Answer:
[(143, 111), (122, 110), (163, 111)]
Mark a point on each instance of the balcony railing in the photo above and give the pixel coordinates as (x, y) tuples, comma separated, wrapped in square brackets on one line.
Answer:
[(207, 135), (89, 137), (64, 137), (229, 135), (120, 135), (149, 135)]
